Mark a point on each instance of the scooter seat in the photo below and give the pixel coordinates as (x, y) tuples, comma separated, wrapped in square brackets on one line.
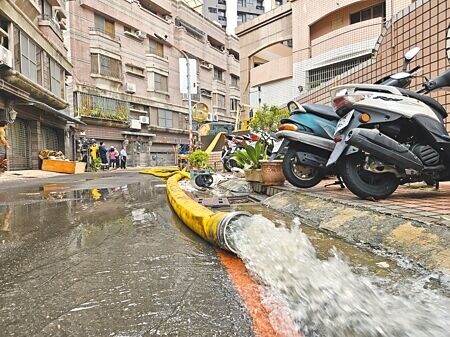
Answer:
[(321, 110), (435, 105)]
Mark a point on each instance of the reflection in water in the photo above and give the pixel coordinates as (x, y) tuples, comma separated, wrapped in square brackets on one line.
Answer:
[(5, 226)]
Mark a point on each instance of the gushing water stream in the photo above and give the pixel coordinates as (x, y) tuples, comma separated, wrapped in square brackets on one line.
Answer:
[(325, 297)]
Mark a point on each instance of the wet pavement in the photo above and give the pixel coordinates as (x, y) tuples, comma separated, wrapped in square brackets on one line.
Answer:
[(104, 255)]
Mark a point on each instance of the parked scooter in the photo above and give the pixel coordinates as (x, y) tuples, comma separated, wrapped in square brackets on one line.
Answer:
[(308, 134), (232, 144), (390, 137)]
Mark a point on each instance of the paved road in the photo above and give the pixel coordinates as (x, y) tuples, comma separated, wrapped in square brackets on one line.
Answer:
[(103, 255)]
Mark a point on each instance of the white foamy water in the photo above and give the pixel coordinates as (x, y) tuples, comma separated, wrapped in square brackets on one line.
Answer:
[(324, 297)]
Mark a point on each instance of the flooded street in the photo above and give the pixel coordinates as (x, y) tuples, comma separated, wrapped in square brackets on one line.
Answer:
[(104, 255), (107, 257)]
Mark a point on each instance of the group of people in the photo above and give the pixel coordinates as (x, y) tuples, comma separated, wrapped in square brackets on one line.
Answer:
[(111, 158)]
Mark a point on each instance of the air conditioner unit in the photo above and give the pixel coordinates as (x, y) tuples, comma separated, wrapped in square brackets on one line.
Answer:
[(135, 124), (215, 118), (140, 34), (168, 18), (222, 48), (210, 116), (5, 57), (130, 88), (144, 119)]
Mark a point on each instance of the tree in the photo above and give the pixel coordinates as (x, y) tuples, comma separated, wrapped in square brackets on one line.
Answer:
[(267, 118)]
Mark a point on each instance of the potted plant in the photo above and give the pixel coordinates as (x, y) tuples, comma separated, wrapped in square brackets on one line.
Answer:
[(198, 160), (266, 121), (250, 159)]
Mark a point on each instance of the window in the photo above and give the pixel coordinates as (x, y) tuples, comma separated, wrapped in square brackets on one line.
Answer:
[(156, 48), (234, 81), (104, 25), (369, 13), (161, 83), (134, 70), (249, 2), (212, 10), (46, 9), (324, 74), (55, 78), (218, 74), (241, 3), (165, 118), (106, 66), (28, 57), (234, 104), (219, 100), (240, 17)]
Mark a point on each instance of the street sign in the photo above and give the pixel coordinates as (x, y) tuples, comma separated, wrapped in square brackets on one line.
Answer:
[(183, 75)]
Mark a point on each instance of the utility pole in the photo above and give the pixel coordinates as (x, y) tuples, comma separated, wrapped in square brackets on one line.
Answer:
[(188, 77)]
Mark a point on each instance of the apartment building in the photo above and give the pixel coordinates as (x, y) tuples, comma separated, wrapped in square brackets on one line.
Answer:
[(33, 72), (303, 45), (230, 14), (126, 80)]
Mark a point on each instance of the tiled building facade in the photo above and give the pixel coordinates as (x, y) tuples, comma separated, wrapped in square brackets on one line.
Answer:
[(33, 72), (425, 24), (126, 80)]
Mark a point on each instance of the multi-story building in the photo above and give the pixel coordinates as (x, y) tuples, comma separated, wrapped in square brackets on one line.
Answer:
[(33, 72), (126, 80), (230, 14), (305, 44)]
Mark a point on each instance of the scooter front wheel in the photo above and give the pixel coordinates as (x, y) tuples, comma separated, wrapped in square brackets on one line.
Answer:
[(298, 174), (363, 183)]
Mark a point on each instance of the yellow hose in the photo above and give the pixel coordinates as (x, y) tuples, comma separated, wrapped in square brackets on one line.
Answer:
[(211, 226)]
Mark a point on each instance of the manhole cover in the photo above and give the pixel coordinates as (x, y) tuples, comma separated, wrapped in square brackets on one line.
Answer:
[(226, 201)]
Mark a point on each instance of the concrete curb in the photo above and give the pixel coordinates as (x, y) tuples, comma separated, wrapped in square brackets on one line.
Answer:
[(426, 244)]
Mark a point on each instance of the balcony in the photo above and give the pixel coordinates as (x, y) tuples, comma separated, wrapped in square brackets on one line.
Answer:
[(31, 8), (102, 40), (234, 91), (219, 86), (154, 62), (359, 37), (271, 71), (52, 25), (233, 66)]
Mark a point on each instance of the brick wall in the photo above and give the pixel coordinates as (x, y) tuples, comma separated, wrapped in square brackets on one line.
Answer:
[(424, 24), (215, 160)]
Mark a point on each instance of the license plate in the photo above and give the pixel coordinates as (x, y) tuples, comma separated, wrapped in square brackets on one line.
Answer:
[(343, 122)]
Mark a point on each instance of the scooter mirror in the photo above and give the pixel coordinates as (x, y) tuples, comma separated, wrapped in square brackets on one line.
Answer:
[(400, 76), (294, 107), (409, 55)]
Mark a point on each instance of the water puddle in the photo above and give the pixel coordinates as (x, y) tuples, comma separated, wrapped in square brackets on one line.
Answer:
[(329, 294)]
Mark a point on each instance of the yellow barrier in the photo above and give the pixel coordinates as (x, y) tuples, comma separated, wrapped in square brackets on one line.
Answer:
[(214, 142)]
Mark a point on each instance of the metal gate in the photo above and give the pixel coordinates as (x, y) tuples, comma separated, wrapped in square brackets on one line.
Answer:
[(20, 141), (50, 139)]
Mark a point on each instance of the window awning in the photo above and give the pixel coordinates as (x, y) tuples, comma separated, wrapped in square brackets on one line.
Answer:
[(51, 110)]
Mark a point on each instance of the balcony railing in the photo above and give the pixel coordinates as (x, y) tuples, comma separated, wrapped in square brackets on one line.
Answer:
[(111, 35)]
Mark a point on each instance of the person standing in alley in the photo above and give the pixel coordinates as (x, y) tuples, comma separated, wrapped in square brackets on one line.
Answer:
[(112, 157), (103, 155), (123, 158), (3, 143)]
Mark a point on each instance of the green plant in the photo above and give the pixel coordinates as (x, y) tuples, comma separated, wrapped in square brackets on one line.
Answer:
[(199, 159), (250, 157), (96, 164), (267, 118)]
